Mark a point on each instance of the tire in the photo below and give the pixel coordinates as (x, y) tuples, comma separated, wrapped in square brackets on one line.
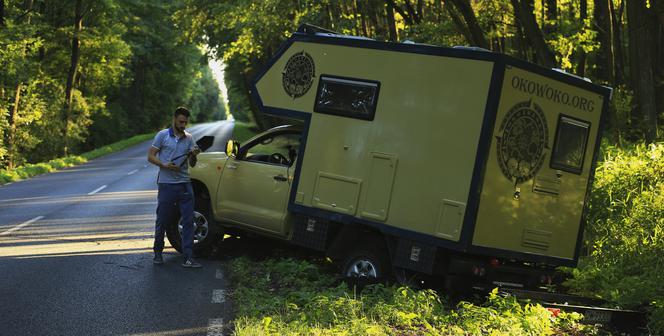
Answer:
[(366, 264), (206, 235)]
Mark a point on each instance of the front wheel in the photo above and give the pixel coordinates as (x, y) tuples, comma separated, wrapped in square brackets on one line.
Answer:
[(206, 231)]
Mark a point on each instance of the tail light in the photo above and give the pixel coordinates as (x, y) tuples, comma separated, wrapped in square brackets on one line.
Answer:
[(479, 271)]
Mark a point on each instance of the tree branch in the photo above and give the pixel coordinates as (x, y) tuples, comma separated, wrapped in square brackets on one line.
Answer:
[(399, 10)]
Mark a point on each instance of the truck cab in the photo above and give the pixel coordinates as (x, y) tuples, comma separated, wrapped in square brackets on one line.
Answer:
[(245, 188)]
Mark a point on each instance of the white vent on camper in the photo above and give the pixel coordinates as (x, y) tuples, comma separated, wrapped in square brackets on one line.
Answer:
[(471, 48), (572, 75)]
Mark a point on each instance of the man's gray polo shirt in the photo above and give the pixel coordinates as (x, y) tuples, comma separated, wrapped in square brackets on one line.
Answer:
[(170, 150)]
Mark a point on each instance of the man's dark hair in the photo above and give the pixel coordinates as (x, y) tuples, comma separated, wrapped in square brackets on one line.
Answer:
[(181, 111)]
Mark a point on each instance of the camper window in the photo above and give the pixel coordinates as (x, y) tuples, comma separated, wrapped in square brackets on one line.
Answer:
[(569, 147), (348, 97)]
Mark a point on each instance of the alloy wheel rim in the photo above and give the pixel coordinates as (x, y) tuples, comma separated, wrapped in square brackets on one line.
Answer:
[(201, 227), (362, 268)]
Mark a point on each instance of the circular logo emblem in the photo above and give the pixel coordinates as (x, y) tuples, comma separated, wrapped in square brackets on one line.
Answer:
[(298, 75), (523, 142)]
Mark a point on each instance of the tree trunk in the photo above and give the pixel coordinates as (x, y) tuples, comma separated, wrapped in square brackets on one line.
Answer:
[(478, 38), (392, 27), (602, 18), (363, 21), (406, 18), (409, 15), (413, 12), (658, 66), (2, 13), (11, 136), (658, 7), (458, 22), (374, 11), (438, 7), (640, 46), (617, 44), (521, 41), (550, 17), (73, 67), (523, 10), (327, 20), (583, 15), (13, 113), (353, 7)]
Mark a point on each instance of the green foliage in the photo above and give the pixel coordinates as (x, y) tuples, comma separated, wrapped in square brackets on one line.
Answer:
[(243, 131), (625, 230), (294, 297), (245, 34), (205, 101), (132, 72), (30, 170)]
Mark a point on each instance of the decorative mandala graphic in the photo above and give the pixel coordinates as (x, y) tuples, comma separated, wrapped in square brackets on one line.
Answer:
[(298, 75), (521, 148)]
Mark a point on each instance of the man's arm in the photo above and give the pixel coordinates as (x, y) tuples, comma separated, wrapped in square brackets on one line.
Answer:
[(152, 158)]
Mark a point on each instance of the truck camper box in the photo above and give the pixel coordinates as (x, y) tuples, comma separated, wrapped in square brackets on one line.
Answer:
[(445, 151)]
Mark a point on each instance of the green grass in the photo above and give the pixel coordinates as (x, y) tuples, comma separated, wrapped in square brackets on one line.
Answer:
[(243, 131), (30, 170), (296, 297), (118, 146)]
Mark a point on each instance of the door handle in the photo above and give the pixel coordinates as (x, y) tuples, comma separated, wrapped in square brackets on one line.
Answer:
[(281, 178), (230, 166)]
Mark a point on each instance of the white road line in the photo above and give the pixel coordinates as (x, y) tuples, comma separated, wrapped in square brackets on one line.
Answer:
[(8, 183), (218, 274), (215, 327), (218, 296), (97, 190), (20, 226), (132, 172)]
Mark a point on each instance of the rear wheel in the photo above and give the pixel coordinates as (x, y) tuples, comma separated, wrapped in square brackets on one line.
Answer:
[(366, 263), (207, 232)]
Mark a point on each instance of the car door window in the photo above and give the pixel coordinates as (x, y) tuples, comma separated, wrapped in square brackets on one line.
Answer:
[(279, 149)]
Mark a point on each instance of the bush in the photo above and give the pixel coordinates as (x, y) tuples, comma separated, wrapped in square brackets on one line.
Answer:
[(625, 231), (290, 297)]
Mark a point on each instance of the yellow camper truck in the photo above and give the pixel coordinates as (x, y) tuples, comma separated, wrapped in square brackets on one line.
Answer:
[(447, 161)]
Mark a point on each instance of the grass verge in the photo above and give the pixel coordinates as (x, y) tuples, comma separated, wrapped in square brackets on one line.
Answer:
[(243, 131), (30, 170), (296, 297)]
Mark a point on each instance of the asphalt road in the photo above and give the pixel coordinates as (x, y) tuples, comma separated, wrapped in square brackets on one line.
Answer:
[(76, 255)]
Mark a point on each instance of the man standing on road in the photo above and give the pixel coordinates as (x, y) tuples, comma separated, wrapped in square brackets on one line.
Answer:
[(170, 150)]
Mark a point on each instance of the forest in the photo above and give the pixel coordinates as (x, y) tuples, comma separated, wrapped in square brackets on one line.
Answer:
[(614, 43), (75, 75)]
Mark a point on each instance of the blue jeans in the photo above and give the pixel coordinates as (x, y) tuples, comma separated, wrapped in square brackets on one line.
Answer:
[(172, 196)]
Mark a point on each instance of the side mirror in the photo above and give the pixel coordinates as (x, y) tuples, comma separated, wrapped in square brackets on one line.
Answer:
[(232, 147), (205, 142)]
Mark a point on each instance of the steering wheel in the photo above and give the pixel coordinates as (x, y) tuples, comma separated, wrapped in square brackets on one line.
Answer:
[(279, 158)]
